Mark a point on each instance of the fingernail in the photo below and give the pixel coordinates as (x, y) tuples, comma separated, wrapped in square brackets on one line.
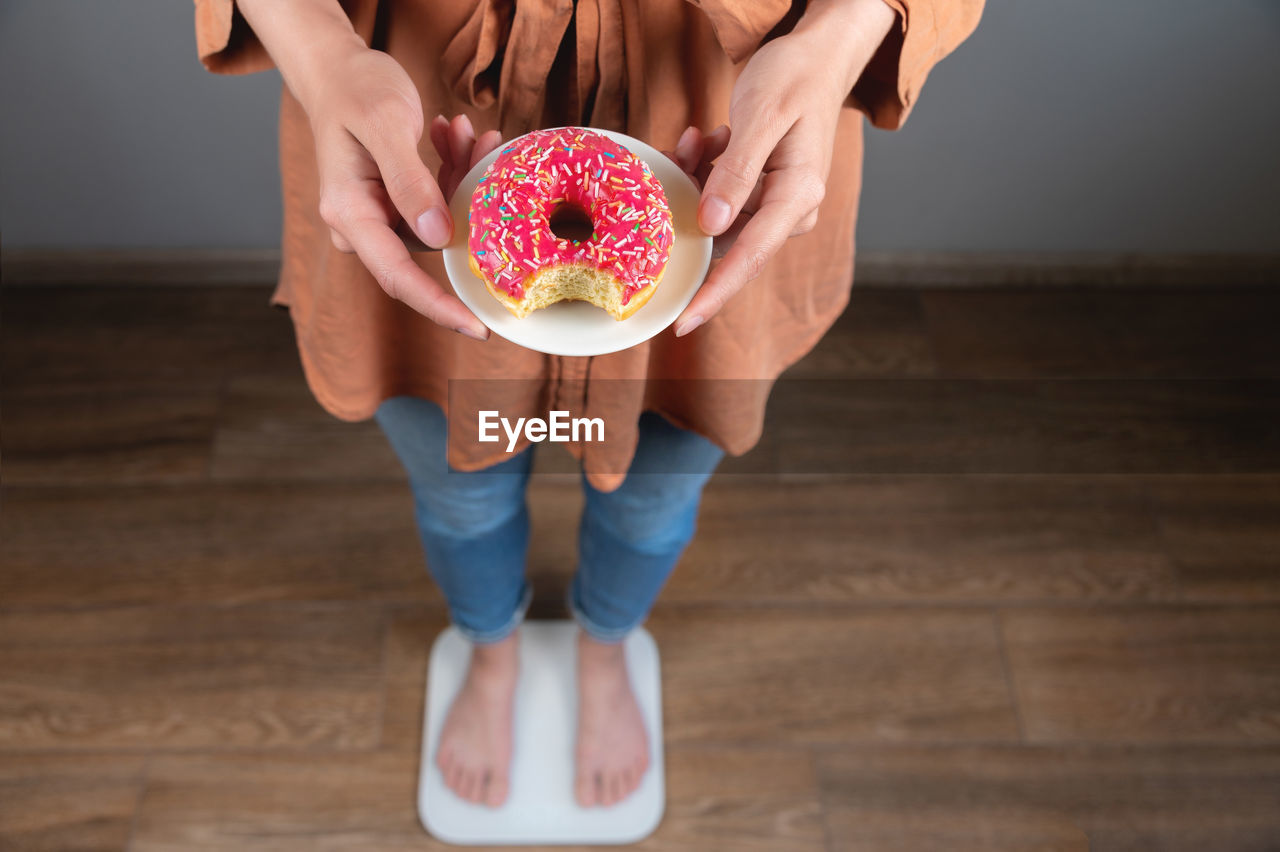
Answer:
[(715, 215), (440, 117), (724, 128), (685, 139), (470, 332), (684, 151), (433, 227), (466, 123), (689, 325)]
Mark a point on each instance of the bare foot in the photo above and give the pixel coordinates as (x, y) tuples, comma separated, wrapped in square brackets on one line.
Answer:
[(613, 746), (475, 742)]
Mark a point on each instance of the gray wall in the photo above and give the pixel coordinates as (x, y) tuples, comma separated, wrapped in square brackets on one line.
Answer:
[(1089, 126)]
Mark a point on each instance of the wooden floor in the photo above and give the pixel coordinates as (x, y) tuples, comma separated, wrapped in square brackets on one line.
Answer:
[(1003, 575)]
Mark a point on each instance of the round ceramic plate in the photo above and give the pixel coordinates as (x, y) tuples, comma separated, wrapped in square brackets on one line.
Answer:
[(580, 328)]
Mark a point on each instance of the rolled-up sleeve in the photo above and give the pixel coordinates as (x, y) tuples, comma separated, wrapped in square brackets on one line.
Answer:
[(925, 32), (224, 42), (741, 27)]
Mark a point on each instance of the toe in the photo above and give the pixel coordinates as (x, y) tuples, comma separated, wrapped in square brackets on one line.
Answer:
[(444, 760), (617, 787), (604, 796), (597, 779), (584, 787), (496, 789), (607, 792), (470, 785), (453, 779), (628, 776)]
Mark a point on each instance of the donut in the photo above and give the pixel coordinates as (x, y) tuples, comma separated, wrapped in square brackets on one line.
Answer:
[(546, 182)]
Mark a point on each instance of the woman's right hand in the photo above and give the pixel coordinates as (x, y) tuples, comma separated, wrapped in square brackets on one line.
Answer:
[(366, 117)]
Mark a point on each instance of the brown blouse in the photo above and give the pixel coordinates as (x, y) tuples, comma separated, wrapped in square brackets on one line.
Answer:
[(648, 68)]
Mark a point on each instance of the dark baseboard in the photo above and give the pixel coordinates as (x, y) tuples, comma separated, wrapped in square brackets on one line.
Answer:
[(913, 270), (920, 270), (150, 267)]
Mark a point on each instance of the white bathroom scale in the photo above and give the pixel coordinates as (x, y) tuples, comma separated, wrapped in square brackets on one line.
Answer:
[(580, 328), (540, 807)]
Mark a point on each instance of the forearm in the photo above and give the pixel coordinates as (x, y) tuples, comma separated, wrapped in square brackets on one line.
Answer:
[(302, 36), (848, 32)]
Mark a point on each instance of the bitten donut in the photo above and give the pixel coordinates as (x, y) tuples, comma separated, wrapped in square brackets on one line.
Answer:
[(547, 178)]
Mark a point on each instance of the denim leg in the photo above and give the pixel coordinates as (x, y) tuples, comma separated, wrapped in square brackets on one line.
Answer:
[(631, 538), (474, 525)]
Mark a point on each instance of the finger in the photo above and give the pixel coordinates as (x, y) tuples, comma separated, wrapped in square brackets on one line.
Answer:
[(411, 186), (689, 149), (714, 143), (752, 203), (488, 140), (340, 242), (459, 141), (462, 138), (806, 224), (720, 245), (452, 172), (439, 132), (736, 171), (787, 199), (386, 257)]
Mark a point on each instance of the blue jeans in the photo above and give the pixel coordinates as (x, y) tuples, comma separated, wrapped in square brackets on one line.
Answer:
[(475, 525)]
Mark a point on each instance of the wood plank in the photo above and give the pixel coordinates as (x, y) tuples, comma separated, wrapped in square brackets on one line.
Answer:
[(819, 677), (880, 333), (929, 539), (862, 540), (125, 337), (181, 267), (1222, 534), (992, 798), (68, 803), (870, 426), (272, 429), (1040, 271), (753, 799), (1208, 332), (222, 544), (1146, 675), (891, 540), (121, 437), (879, 269), (555, 507), (750, 799), (410, 632), (188, 677), (273, 801)]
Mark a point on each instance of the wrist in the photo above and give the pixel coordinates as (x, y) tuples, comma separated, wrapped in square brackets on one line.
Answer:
[(848, 33)]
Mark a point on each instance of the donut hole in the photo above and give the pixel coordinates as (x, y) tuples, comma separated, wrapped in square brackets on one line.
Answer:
[(570, 222)]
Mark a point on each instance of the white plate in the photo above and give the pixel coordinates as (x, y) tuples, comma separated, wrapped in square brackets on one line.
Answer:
[(580, 328)]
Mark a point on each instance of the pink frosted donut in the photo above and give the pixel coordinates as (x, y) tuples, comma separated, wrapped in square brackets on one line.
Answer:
[(550, 177)]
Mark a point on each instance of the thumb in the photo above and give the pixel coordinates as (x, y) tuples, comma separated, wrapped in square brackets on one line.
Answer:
[(413, 190), (734, 175)]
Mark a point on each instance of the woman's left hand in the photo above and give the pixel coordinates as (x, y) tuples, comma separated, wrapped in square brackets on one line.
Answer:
[(770, 176)]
